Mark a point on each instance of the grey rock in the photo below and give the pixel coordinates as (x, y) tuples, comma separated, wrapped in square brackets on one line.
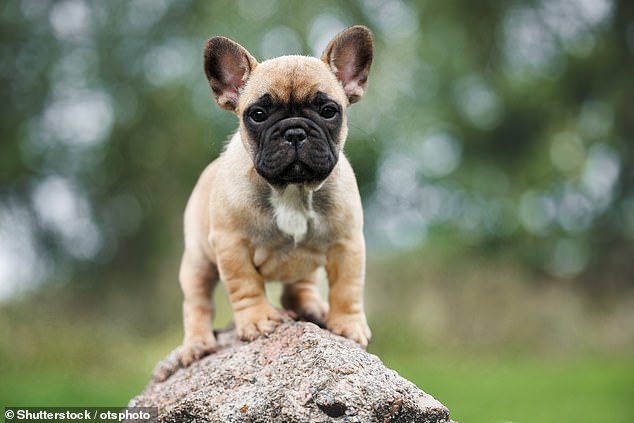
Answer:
[(299, 373)]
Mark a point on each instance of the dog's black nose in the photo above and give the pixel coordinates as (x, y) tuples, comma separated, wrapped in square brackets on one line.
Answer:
[(295, 136)]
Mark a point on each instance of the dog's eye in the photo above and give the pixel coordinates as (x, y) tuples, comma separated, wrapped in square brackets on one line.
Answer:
[(328, 112), (258, 115)]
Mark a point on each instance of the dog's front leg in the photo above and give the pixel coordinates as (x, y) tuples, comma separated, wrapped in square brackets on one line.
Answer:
[(253, 313), (346, 275)]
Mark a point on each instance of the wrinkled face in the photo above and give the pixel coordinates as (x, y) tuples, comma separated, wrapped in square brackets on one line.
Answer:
[(293, 120)]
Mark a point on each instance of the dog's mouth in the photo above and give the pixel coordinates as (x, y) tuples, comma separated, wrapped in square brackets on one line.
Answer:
[(297, 173), (299, 154)]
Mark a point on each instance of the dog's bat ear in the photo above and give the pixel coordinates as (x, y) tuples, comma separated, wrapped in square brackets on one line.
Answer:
[(349, 56), (228, 66)]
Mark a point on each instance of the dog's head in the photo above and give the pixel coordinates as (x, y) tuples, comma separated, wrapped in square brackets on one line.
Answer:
[(292, 109)]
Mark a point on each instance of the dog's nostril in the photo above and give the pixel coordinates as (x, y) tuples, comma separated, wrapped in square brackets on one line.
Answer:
[(295, 135)]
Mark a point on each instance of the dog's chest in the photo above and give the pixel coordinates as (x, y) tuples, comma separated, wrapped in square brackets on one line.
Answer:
[(293, 212), (288, 265), (298, 243)]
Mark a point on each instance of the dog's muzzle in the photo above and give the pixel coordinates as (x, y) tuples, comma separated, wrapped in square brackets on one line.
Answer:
[(295, 150)]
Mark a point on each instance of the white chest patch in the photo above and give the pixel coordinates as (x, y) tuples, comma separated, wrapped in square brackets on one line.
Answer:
[(293, 210)]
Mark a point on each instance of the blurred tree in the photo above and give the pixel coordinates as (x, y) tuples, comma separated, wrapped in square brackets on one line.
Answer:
[(503, 126)]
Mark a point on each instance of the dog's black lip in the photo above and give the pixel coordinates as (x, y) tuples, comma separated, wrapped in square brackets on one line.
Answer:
[(286, 177), (295, 167)]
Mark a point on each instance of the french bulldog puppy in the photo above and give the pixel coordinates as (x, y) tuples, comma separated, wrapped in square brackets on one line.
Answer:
[(281, 202)]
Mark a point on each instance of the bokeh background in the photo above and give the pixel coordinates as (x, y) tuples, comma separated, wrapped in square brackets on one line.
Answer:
[(494, 150)]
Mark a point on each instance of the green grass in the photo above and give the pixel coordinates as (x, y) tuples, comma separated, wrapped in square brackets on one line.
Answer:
[(475, 388), (466, 342), (89, 364), (525, 389), (50, 388), (81, 384)]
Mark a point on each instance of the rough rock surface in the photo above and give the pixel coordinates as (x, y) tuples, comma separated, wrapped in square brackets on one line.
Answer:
[(299, 373)]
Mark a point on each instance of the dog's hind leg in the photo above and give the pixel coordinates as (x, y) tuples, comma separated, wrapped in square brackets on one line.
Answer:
[(198, 278), (302, 297)]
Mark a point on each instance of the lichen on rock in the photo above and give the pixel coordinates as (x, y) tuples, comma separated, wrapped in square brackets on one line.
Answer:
[(299, 373)]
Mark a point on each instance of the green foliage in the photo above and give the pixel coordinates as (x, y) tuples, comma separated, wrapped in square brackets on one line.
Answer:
[(506, 126)]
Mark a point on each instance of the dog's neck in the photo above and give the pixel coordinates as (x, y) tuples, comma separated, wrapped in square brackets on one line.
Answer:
[(292, 205), (293, 209)]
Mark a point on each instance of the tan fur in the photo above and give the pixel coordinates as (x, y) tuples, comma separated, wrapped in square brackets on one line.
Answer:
[(231, 235)]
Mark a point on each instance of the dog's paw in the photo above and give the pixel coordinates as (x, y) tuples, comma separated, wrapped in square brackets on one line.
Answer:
[(258, 320), (305, 304), (165, 369), (313, 310), (195, 350), (183, 356), (352, 326)]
